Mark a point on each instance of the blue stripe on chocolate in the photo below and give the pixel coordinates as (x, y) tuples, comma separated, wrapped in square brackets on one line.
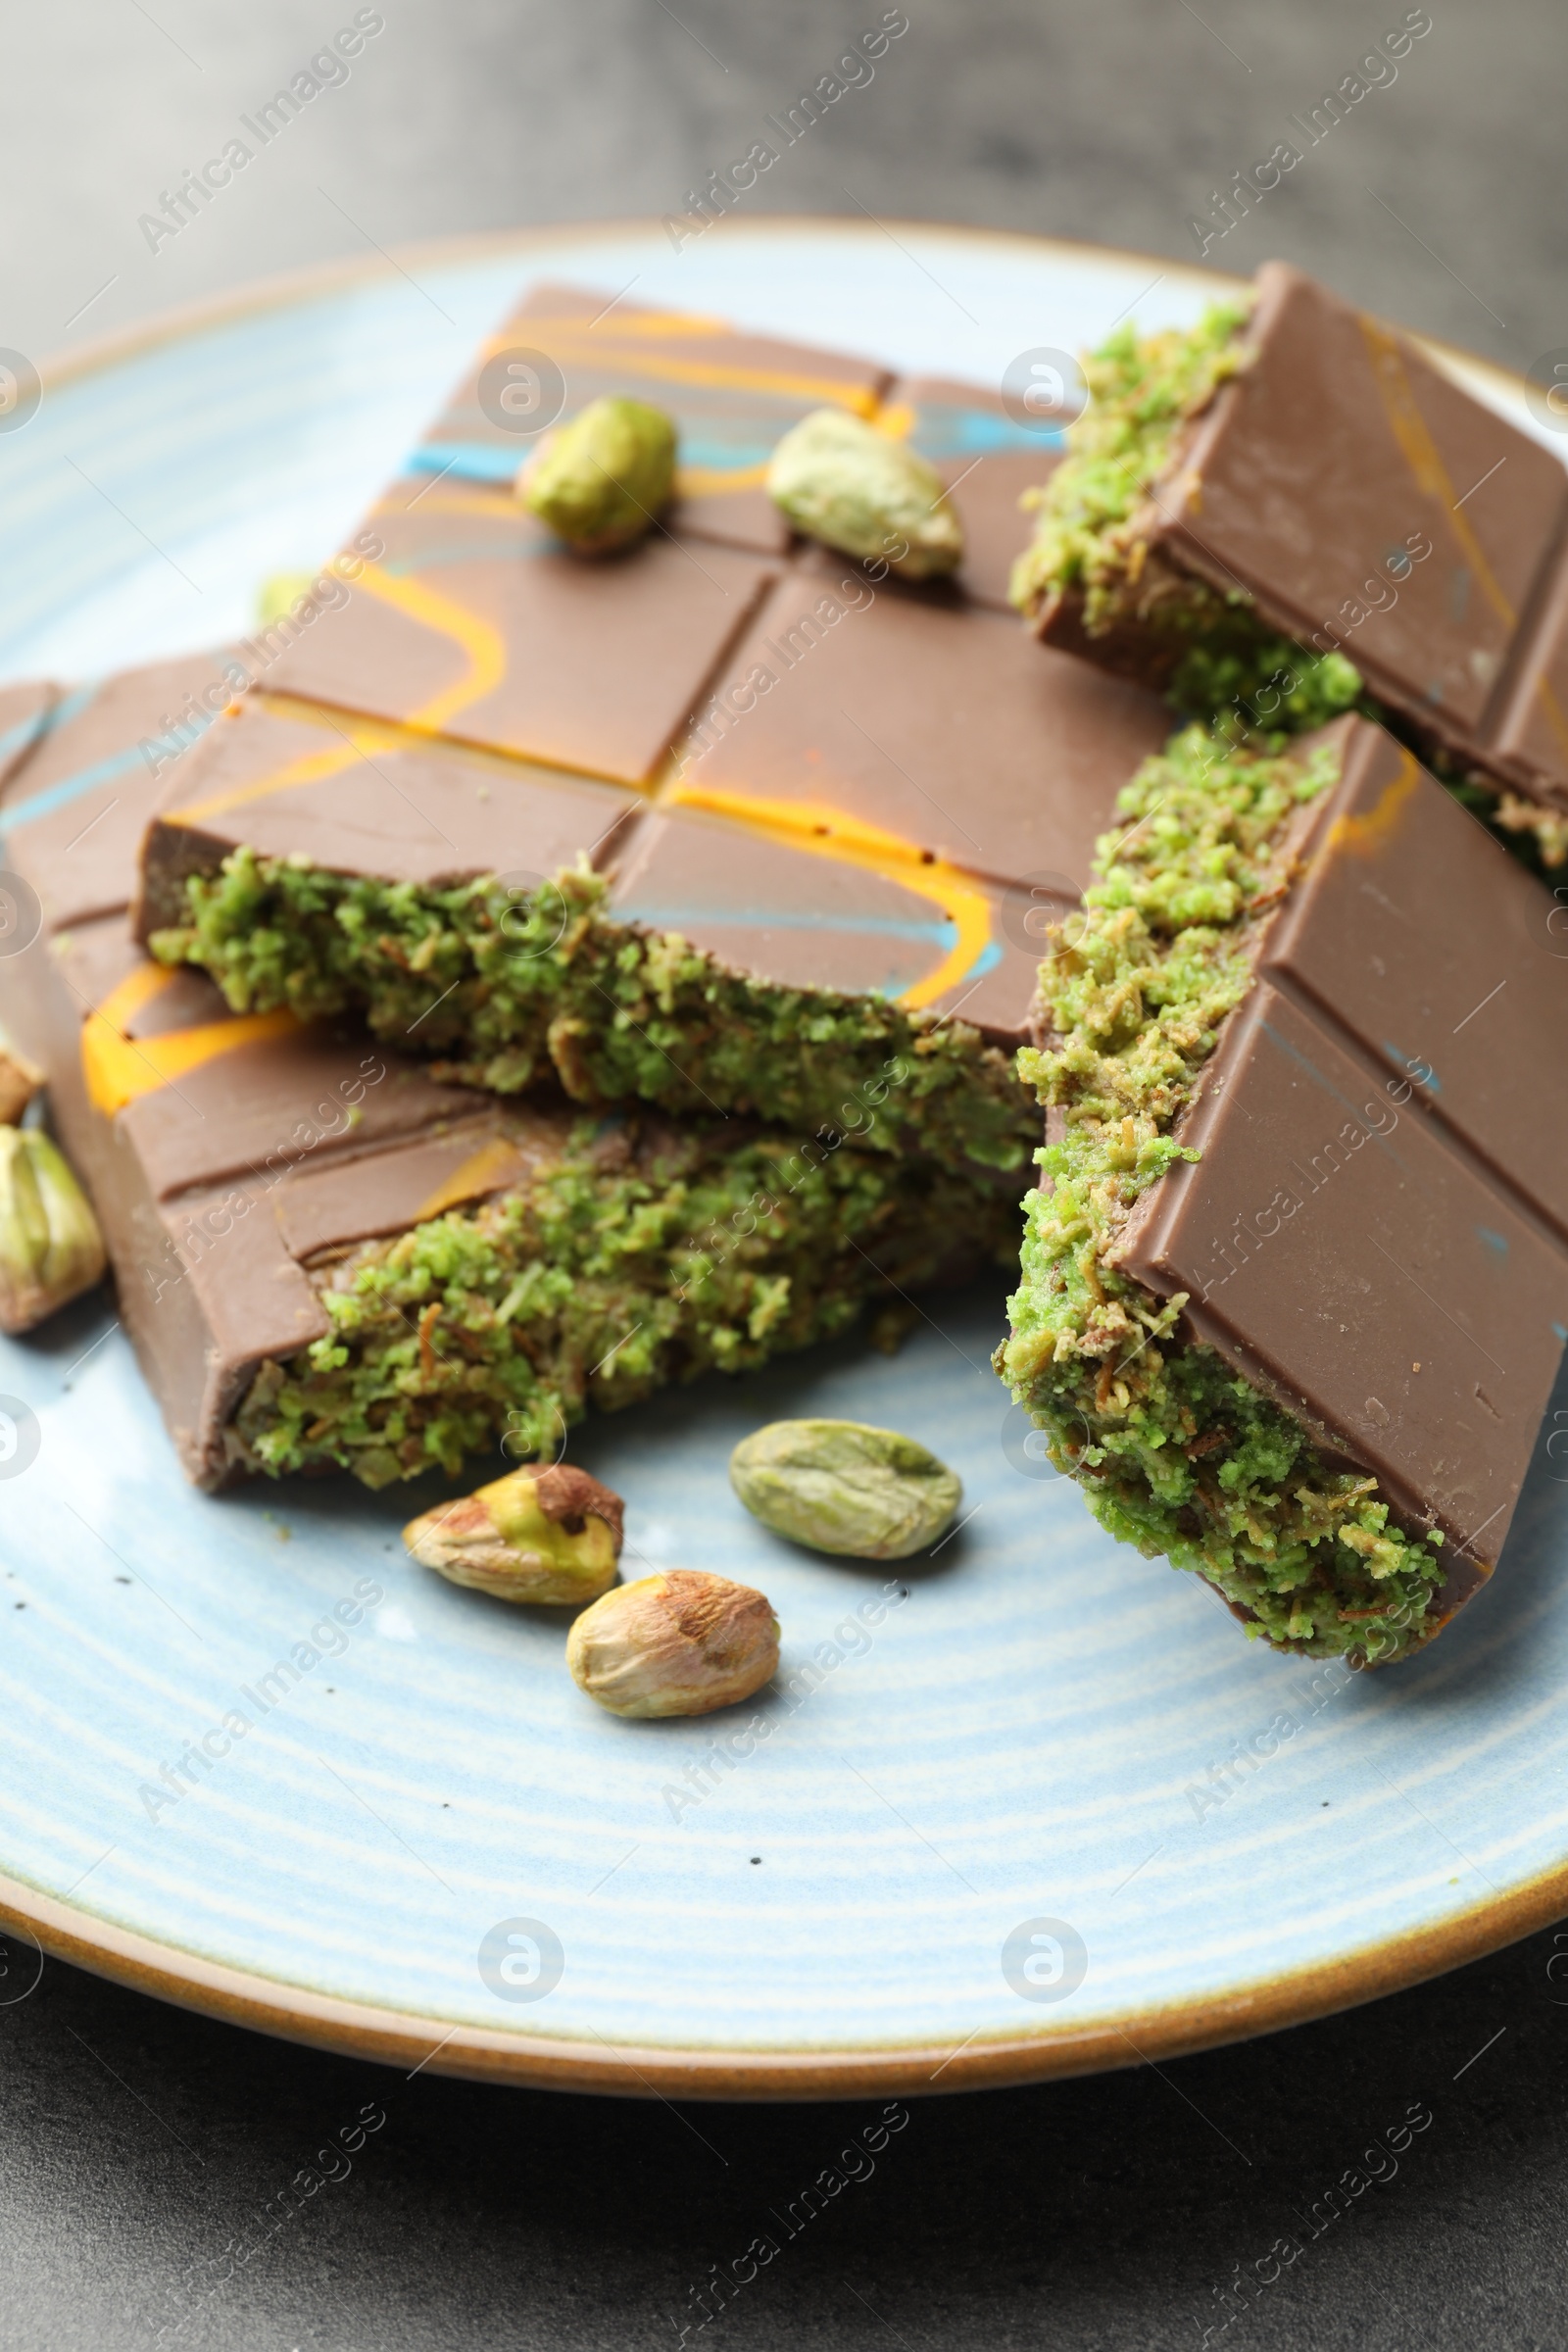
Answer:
[(26, 731), (70, 788), (1414, 1062), (490, 462), (945, 432), (102, 771), (938, 933), (469, 460)]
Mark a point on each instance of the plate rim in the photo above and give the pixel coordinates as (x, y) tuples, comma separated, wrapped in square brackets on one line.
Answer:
[(280, 288), (391, 2036)]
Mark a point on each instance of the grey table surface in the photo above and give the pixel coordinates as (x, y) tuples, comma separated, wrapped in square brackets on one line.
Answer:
[(139, 2142)]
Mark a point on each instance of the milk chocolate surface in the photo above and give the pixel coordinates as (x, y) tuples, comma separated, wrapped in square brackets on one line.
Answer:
[(907, 782), (921, 713), (989, 462), (1330, 1241), (290, 779), (476, 624), (88, 766), (1363, 501), (767, 907), (1375, 1231), (1415, 932)]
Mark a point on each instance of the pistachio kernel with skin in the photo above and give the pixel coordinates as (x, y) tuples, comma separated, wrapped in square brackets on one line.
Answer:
[(844, 1487), (603, 480), (840, 480), (681, 1642), (51, 1250), (546, 1533)]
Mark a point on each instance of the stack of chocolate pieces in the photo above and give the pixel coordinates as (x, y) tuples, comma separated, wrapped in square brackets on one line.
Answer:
[(624, 963), (822, 1114)]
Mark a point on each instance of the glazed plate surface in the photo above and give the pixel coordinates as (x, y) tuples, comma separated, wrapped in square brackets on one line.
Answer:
[(1031, 1806)]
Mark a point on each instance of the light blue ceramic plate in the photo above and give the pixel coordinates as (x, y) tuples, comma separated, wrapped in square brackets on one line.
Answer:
[(1039, 1807)]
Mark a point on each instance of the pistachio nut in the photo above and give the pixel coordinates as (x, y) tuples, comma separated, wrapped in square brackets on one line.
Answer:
[(19, 1081), (601, 480), (50, 1246), (279, 593), (840, 480), (545, 1533), (842, 1487), (677, 1643)]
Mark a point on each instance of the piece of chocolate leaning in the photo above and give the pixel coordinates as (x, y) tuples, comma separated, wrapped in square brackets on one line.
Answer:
[(1296, 1284), (1291, 470), (324, 1256)]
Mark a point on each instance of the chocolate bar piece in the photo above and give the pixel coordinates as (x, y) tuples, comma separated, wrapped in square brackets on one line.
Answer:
[(732, 396), (1297, 1281), (814, 876), (326, 1256), (774, 968), (1298, 470)]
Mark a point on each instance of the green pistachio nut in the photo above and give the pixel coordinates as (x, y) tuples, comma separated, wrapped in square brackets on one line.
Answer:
[(279, 593), (601, 480), (680, 1643), (50, 1246), (841, 1486), (546, 1533), (841, 481)]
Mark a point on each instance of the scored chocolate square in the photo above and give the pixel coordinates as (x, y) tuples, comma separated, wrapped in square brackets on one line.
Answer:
[(1359, 499), (925, 716), (1348, 1261), (787, 914), (1415, 933), (476, 624), (351, 796)]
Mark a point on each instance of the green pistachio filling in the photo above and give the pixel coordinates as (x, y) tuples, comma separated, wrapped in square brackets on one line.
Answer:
[(1089, 544), (514, 987), (637, 1261), (1175, 1452)]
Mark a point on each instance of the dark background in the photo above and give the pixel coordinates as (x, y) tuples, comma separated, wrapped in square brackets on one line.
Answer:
[(136, 2142)]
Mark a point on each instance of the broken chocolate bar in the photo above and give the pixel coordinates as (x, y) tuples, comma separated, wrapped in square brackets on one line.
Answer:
[(1296, 1284), (671, 825), (769, 968), (325, 1255), (1291, 499)]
